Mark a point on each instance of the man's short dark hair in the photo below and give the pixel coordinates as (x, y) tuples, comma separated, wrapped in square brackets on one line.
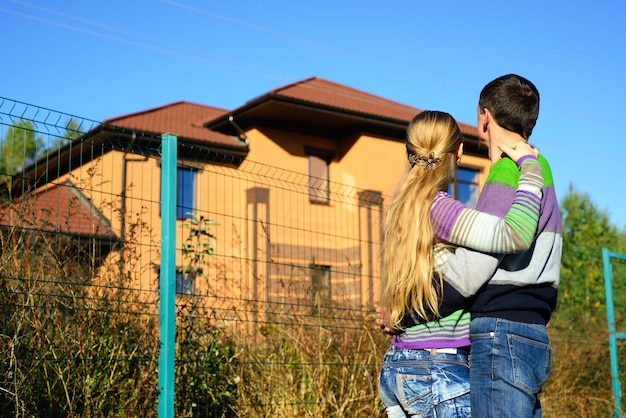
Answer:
[(513, 102)]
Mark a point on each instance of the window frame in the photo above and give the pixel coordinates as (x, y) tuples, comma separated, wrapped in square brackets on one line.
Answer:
[(185, 283), (318, 174), (457, 183), (185, 193), (321, 282), (181, 287)]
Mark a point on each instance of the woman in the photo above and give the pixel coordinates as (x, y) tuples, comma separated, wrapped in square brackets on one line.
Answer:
[(425, 371)]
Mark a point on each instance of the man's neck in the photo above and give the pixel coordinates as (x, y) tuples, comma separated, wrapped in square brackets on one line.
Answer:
[(498, 135)]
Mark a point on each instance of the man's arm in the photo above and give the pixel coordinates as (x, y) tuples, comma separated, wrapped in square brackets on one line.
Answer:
[(464, 273)]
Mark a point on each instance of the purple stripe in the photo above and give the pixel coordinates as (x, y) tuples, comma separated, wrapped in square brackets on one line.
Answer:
[(524, 158), (500, 198), (439, 333), (531, 202), (550, 207), (532, 207), (444, 213), (463, 342)]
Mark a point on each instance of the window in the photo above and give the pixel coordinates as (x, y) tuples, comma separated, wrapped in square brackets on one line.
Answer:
[(320, 284), (319, 191), (464, 187), (319, 177), (185, 193), (184, 283)]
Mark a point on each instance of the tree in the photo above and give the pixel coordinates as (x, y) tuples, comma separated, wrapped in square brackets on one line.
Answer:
[(586, 231), (19, 147)]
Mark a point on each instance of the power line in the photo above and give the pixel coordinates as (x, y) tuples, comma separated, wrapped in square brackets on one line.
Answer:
[(187, 53), (191, 54)]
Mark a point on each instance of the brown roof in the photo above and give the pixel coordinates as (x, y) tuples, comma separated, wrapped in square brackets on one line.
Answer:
[(182, 119), (331, 94), (327, 93), (190, 121), (57, 208), (300, 99)]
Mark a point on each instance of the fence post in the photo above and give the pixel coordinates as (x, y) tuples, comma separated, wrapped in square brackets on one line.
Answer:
[(167, 277), (613, 334)]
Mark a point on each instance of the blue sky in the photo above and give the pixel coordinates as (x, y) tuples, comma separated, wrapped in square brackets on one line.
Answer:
[(103, 59)]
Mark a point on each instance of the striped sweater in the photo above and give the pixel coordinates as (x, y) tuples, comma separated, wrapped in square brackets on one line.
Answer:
[(511, 232), (521, 287)]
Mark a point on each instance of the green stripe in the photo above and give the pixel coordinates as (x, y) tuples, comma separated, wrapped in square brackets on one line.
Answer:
[(548, 180), (502, 172), (523, 222), (457, 318)]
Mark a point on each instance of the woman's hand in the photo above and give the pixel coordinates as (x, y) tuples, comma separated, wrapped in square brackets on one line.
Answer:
[(382, 320), (518, 150)]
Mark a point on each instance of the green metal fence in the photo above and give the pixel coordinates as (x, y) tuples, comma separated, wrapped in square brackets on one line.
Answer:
[(614, 333), (108, 233)]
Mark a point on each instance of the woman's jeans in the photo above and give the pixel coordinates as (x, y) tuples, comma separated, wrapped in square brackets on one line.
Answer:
[(414, 383), (510, 363)]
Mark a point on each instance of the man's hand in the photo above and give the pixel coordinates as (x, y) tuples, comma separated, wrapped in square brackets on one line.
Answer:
[(518, 150)]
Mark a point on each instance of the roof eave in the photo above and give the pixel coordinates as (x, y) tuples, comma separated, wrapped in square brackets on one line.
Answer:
[(254, 113)]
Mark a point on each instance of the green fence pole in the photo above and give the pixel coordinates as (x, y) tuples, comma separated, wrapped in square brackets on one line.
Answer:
[(167, 292), (613, 334)]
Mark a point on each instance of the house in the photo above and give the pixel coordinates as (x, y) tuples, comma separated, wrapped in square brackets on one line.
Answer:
[(280, 200)]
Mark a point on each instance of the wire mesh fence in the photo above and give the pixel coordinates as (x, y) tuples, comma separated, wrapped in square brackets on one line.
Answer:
[(275, 289)]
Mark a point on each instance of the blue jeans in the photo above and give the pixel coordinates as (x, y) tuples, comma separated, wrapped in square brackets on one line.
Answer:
[(510, 363), (414, 383)]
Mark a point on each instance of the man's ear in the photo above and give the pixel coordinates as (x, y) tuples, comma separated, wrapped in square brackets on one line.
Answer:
[(485, 118)]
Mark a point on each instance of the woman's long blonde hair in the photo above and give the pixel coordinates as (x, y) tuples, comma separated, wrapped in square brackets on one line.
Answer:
[(412, 280)]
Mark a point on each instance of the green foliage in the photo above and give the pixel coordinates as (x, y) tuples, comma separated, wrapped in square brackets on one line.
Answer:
[(586, 231), (620, 246), (20, 145), (580, 375), (67, 349), (205, 382), (205, 358), (198, 247), (77, 340)]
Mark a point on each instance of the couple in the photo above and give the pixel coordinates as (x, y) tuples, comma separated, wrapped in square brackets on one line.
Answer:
[(456, 278)]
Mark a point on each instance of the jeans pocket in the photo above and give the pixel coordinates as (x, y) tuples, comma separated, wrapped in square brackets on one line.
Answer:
[(416, 392), (530, 360)]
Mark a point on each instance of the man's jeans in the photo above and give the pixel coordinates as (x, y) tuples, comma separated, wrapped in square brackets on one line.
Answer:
[(509, 364), (414, 383)]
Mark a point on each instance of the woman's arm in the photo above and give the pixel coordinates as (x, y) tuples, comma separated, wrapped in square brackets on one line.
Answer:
[(457, 224)]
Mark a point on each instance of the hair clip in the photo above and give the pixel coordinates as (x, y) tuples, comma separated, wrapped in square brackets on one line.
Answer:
[(423, 162)]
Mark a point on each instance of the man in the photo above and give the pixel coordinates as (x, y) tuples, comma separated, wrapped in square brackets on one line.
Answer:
[(510, 297)]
